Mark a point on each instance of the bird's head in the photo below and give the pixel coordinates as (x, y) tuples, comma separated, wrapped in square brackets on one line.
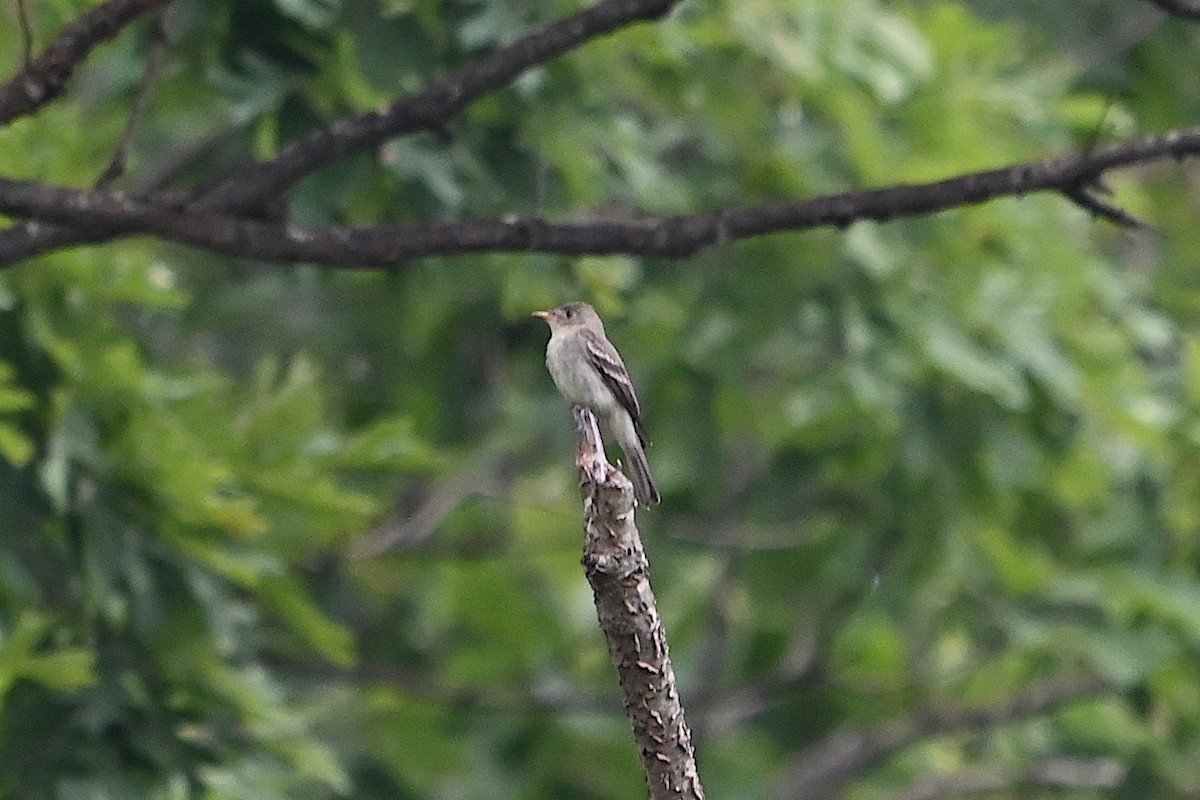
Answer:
[(569, 315)]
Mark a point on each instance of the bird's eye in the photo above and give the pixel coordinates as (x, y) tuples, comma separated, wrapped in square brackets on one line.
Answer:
[(568, 312)]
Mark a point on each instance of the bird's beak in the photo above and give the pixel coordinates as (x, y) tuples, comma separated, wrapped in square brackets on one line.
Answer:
[(543, 315)]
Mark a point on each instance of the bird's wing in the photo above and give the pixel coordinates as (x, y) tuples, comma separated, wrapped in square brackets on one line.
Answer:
[(607, 361)]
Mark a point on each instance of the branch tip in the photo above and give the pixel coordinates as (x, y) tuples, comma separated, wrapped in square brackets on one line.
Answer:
[(1183, 9), (1104, 209)]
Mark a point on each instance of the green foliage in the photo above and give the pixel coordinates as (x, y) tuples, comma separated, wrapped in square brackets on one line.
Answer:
[(908, 467), (15, 447), (63, 670)]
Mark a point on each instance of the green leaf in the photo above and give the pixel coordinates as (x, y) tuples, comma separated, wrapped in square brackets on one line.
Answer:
[(316, 14), (62, 670), (1175, 601), (1127, 658), (14, 399), (15, 446), (389, 443), (22, 656), (335, 642), (958, 356), (871, 651)]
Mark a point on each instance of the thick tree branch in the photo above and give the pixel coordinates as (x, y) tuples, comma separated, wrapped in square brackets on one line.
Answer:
[(106, 213), (429, 109), (44, 77), (618, 572), (824, 770)]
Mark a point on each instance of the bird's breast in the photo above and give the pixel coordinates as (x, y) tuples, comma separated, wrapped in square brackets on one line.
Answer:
[(575, 376)]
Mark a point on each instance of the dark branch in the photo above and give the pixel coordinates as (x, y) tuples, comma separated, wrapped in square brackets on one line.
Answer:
[(430, 109), (1104, 209), (823, 770), (616, 568), (107, 213), (43, 78), (1180, 8), (410, 527)]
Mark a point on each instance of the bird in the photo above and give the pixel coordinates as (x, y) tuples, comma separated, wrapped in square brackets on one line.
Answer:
[(589, 372)]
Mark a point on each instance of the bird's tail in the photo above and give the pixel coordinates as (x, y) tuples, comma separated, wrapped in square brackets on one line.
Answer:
[(643, 484)]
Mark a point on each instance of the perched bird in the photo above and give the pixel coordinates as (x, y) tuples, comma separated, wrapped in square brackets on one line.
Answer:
[(589, 372)]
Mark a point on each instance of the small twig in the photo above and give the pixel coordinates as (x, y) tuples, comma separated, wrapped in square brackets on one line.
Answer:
[(141, 100), (616, 567), (1103, 208), (412, 529), (714, 647), (45, 76), (1084, 194), (26, 33), (1180, 8), (184, 157)]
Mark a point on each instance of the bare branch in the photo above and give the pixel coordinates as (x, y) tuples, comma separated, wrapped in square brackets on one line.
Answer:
[(43, 78), (1186, 9), (1104, 209), (411, 528), (823, 770), (27, 239), (26, 33), (618, 572), (429, 109), (107, 212)]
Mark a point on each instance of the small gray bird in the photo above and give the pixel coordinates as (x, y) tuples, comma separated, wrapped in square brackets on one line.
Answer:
[(589, 372)]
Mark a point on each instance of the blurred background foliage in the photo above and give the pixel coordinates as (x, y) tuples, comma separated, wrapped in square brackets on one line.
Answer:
[(279, 532)]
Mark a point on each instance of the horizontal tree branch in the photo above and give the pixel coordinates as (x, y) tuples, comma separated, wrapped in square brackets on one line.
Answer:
[(45, 76), (108, 212), (429, 109)]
